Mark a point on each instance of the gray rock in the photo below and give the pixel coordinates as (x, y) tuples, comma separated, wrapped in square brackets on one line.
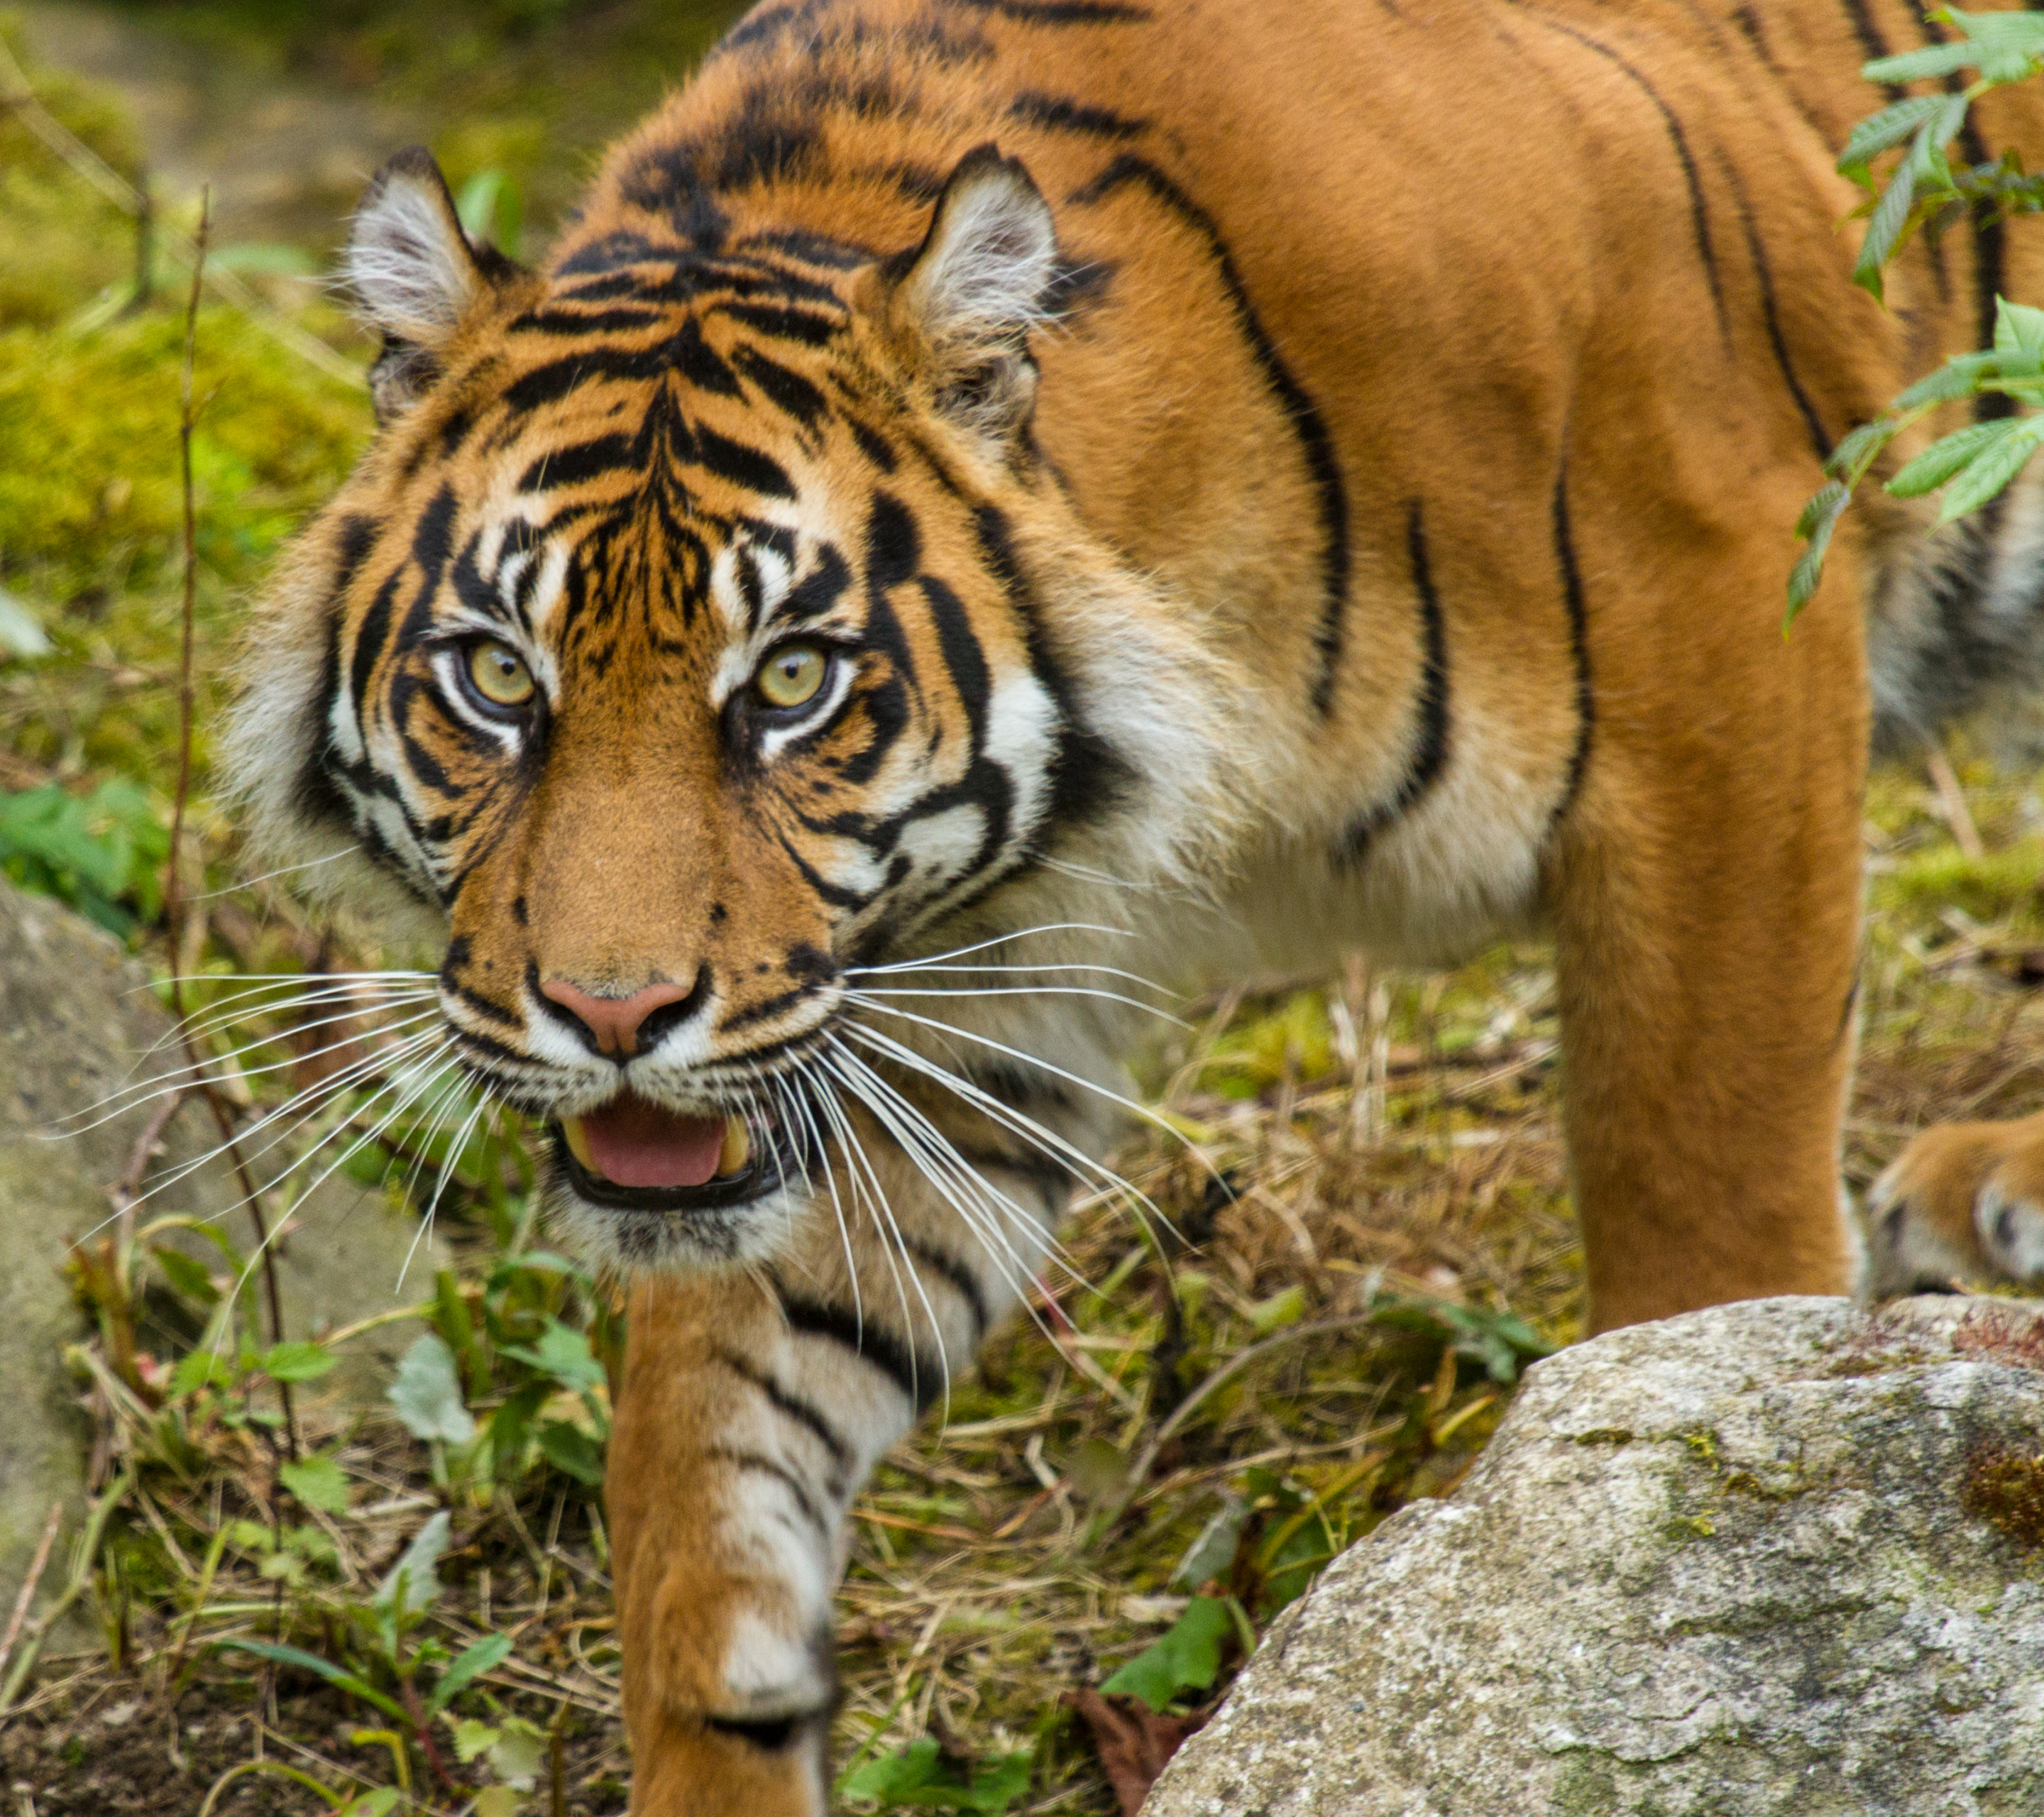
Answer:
[(1774, 1557), (77, 1018)]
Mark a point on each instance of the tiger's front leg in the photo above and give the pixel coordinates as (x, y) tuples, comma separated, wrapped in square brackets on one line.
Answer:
[(755, 1404)]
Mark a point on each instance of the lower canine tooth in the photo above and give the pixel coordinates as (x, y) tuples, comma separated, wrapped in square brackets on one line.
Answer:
[(578, 1141), (737, 1148)]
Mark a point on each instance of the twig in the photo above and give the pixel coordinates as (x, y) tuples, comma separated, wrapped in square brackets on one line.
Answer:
[(557, 1760), (1952, 801), (173, 881), (54, 1520)]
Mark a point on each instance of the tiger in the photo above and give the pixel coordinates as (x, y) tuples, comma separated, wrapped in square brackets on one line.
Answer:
[(986, 504)]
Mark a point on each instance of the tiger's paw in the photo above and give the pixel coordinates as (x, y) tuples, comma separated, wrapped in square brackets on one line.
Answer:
[(1965, 1202)]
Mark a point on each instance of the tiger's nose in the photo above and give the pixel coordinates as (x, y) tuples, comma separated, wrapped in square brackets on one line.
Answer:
[(619, 1027)]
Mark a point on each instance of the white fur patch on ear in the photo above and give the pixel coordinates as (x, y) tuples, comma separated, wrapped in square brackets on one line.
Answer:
[(977, 285), (991, 254), (410, 266)]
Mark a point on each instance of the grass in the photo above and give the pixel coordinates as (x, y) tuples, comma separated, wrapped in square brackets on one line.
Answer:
[(1368, 1236)]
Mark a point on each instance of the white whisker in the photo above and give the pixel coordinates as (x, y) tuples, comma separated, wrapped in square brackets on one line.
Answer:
[(1028, 990)]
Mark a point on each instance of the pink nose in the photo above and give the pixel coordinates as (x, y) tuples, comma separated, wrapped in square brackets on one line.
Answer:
[(614, 1022)]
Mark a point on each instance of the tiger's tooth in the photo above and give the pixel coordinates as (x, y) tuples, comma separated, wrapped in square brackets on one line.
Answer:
[(737, 1148), (578, 1141)]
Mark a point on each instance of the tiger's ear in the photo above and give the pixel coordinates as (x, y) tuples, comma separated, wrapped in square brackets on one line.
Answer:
[(414, 274), (972, 291)]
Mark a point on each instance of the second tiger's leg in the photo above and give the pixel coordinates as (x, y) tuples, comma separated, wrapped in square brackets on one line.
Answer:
[(754, 1403)]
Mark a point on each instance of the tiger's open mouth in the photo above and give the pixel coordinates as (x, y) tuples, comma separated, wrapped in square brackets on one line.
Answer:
[(635, 1155)]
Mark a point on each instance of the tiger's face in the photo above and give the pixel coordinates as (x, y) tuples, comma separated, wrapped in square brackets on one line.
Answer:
[(674, 647)]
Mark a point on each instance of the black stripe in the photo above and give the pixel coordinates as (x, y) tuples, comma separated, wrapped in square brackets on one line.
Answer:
[(1314, 440), (740, 466), (1430, 751), (1819, 438), (804, 325), (1699, 214), (579, 462), (792, 393), (1088, 776), (893, 1356), (804, 1413), (1870, 40), (558, 321), (1062, 115), (1058, 12), (765, 1466), (959, 1275), (1579, 640)]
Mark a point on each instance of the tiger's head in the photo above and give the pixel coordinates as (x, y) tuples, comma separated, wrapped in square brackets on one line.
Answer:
[(704, 619)]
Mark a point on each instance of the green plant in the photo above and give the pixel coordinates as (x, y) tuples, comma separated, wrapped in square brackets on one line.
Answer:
[(923, 1776), (1923, 190), (389, 1665), (100, 852)]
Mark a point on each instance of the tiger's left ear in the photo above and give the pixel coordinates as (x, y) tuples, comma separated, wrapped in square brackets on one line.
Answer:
[(415, 273), (972, 291)]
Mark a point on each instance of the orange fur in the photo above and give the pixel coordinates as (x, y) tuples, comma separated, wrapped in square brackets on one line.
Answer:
[(1266, 480)]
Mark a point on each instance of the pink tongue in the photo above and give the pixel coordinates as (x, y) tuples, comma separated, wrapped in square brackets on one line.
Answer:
[(635, 1144)]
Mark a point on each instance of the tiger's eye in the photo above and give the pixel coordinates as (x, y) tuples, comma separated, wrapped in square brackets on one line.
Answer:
[(500, 674), (792, 673)]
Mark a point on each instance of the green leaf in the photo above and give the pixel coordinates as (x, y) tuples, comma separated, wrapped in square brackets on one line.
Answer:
[(197, 1370), (1884, 230), (2018, 328), (569, 1448), (1914, 66), (1959, 377), (1187, 1658), (1883, 131), (326, 1669), (486, 1655), (186, 1274), (1212, 1554), (318, 1482), (563, 1353), (472, 1739), (1820, 517), (1945, 456), (1826, 502), (920, 1776), (414, 1582), (297, 1361), (1851, 456), (1989, 471), (427, 1393)]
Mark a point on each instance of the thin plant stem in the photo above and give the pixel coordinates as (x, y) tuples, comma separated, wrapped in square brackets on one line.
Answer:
[(173, 898)]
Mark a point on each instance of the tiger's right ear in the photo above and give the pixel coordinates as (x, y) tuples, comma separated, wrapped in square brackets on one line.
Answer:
[(414, 274)]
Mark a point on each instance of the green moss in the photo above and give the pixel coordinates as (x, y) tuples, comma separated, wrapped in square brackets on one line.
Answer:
[(2001, 883), (91, 515), (2006, 1488), (60, 242)]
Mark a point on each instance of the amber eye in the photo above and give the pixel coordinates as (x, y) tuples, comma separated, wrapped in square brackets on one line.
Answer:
[(499, 674), (792, 673)]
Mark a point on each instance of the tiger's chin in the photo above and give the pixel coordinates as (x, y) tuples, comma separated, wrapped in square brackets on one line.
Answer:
[(682, 1193)]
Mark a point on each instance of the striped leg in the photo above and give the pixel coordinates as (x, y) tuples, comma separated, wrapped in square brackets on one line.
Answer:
[(755, 1405)]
